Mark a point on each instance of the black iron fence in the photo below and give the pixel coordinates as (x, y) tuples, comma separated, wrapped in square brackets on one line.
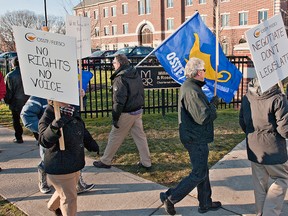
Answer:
[(161, 92)]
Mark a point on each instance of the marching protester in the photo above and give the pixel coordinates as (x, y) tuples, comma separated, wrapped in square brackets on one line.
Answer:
[(63, 166), (196, 130), (264, 119), (2, 92), (128, 100), (30, 115), (15, 98)]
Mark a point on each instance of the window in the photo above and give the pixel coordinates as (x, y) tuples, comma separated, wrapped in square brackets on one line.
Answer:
[(170, 3), (225, 47), (188, 2), (114, 29), (243, 18), (107, 47), (125, 28), (225, 20), (97, 32), (96, 14), (262, 15), (148, 6), (170, 23), (106, 30), (115, 47), (105, 12), (87, 13), (125, 8), (113, 11), (141, 8), (202, 1), (204, 18)]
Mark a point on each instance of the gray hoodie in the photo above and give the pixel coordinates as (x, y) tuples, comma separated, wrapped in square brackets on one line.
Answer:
[(264, 119)]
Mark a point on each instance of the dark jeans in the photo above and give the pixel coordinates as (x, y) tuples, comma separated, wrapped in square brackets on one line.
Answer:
[(17, 125), (199, 177)]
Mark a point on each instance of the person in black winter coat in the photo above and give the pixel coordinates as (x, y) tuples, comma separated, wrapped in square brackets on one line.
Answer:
[(15, 98), (196, 115), (63, 166), (128, 101), (264, 119)]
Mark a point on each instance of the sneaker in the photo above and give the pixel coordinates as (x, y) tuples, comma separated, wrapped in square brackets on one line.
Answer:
[(168, 205), (214, 206), (99, 164), (140, 165), (18, 140), (44, 188), (82, 186)]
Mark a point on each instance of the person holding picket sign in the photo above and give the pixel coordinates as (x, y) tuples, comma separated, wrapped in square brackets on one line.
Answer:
[(264, 119), (196, 116), (63, 166)]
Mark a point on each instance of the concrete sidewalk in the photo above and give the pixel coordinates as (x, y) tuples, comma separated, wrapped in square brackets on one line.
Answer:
[(120, 193)]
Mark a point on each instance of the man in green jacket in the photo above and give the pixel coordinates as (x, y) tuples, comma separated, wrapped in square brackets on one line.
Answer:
[(196, 115)]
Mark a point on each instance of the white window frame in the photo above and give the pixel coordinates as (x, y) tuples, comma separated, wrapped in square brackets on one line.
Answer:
[(262, 11), (243, 18), (170, 24), (106, 31), (204, 18), (148, 6), (114, 30), (97, 32), (125, 28), (202, 2), (188, 2), (227, 19), (105, 12), (96, 14), (113, 11), (124, 8), (141, 7), (170, 3)]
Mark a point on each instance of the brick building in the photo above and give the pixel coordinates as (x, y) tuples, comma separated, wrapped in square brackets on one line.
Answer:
[(119, 23)]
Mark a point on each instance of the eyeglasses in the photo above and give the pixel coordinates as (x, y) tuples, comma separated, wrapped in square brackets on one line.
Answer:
[(204, 70)]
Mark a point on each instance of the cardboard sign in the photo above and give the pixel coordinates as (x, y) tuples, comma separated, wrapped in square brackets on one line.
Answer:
[(48, 64), (268, 46), (79, 27)]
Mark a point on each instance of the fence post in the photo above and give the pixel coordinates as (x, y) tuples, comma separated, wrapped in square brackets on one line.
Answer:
[(163, 101)]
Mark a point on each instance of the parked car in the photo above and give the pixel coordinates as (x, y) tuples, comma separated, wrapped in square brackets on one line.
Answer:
[(98, 56), (137, 51), (7, 55)]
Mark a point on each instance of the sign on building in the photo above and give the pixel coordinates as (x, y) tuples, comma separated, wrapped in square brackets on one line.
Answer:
[(156, 77), (79, 27), (48, 64), (268, 46)]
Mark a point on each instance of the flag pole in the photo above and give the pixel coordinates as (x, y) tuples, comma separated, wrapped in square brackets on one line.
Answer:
[(217, 46), (155, 49)]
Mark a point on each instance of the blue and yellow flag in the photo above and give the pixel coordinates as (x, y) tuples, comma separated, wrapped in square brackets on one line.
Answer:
[(194, 39)]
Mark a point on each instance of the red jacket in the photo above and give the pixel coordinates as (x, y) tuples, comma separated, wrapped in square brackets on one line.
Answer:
[(2, 87)]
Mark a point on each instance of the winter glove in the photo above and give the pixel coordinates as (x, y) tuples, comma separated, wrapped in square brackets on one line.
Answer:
[(115, 123), (68, 110), (215, 100), (59, 123)]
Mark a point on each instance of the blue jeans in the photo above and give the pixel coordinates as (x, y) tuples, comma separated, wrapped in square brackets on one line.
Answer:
[(199, 177)]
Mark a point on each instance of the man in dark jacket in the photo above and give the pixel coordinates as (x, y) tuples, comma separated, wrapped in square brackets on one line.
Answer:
[(128, 100), (196, 116), (16, 98), (264, 119)]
